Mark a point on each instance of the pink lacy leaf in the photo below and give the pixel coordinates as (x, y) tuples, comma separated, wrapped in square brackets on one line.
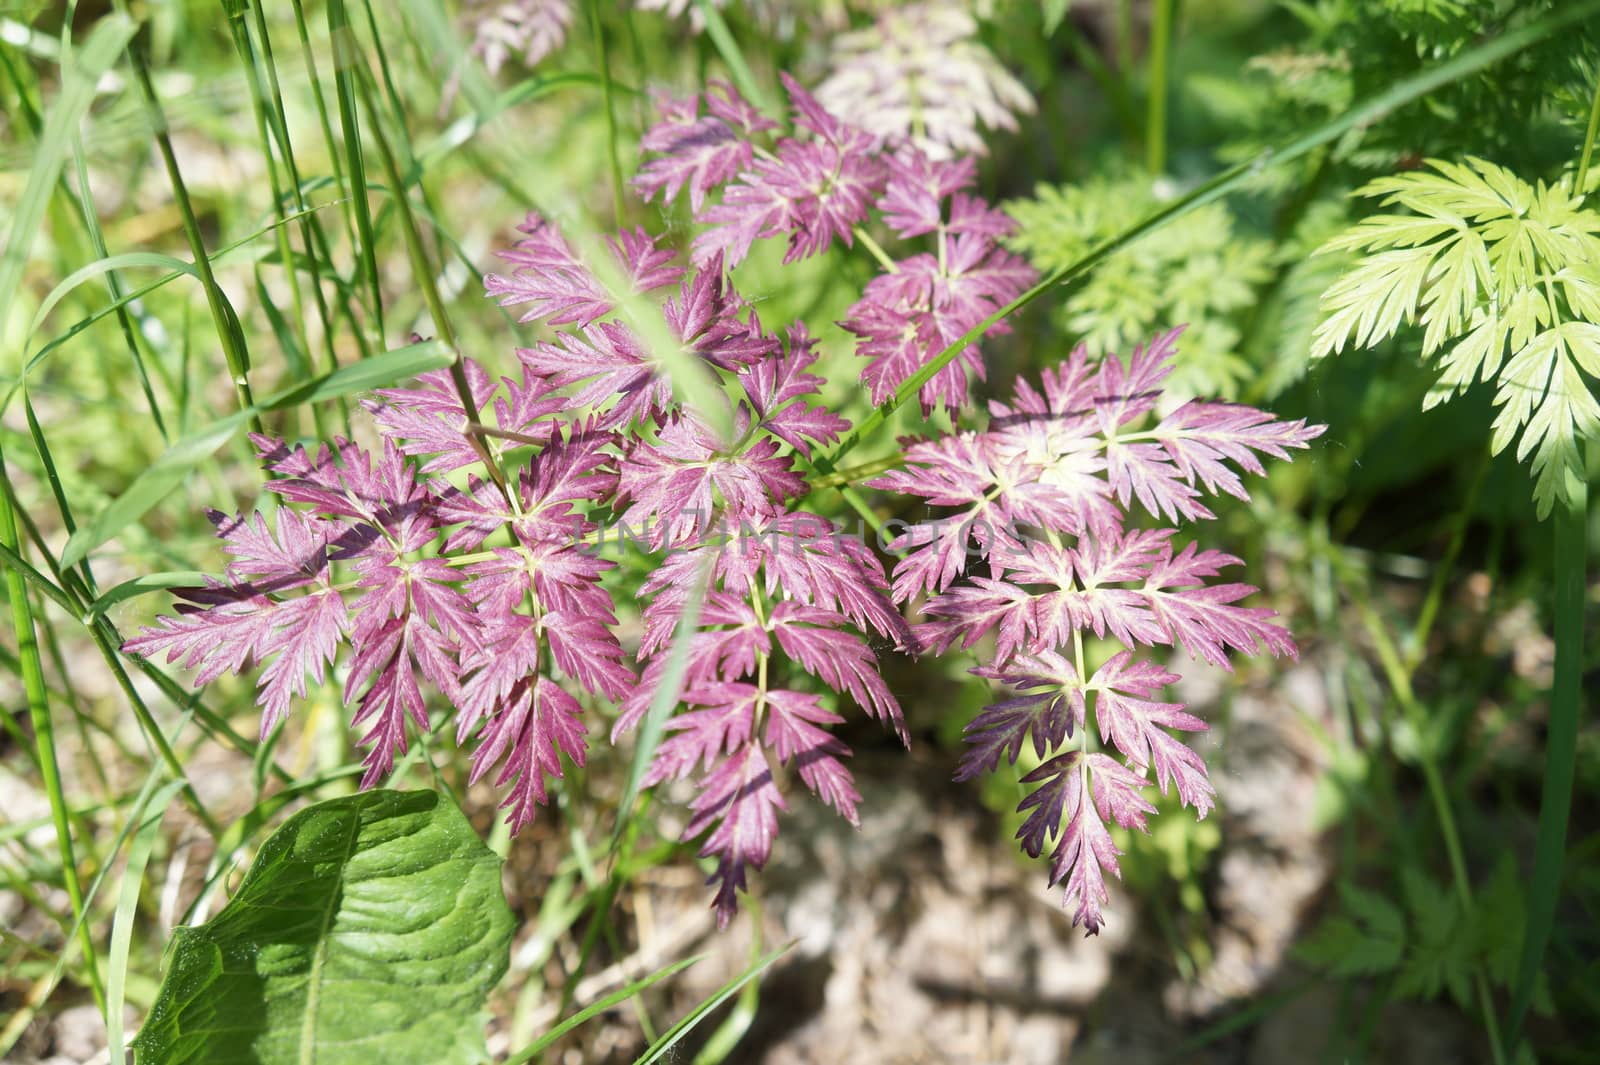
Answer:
[(698, 738), (695, 151), (1098, 791), (1136, 726), (536, 722), (812, 191), (739, 803), (774, 386), (1201, 618), (917, 187), (797, 734), (427, 418), (547, 281), (1053, 704), (815, 639)]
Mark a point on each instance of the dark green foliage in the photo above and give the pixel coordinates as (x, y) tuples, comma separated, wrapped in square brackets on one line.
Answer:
[(369, 927)]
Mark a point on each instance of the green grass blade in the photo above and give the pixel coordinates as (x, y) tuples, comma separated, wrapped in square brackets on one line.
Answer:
[(43, 728), (176, 463), (144, 841), (311, 228), (736, 1024), (130, 336), (143, 585), (223, 317), (671, 1037), (182, 269), (618, 187), (53, 478), (106, 41), (589, 1012), (346, 63), (125, 261), (728, 49), (463, 129), (662, 702)]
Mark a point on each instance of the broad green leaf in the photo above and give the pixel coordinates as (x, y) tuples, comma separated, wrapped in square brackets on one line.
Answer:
[(369, 928), (175, 464)]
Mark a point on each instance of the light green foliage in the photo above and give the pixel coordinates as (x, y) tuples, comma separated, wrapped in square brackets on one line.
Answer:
[(1195, 270), (1504, 278), (369, 928), (1348, 49), (1292, 310), (1432, 944)]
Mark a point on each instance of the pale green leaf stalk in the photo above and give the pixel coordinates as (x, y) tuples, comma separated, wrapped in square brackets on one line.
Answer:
[(1566, 694)]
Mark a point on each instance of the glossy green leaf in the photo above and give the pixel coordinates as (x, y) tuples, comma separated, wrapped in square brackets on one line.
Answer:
[(369, 928)]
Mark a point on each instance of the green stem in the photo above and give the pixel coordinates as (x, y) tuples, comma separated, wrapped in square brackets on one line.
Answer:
[(618, 203), (1111, 84), (44, 734), (1588, 141), (310, 226), (1566, 695), (1155, 127), (1438, 794), (222, 316), (1561, 747), (423, 272), (728, 48), (1429, 613), (852, 474), (346, 75), (877, 251)]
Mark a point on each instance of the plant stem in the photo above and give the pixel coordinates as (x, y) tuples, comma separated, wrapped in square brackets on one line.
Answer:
[(1561, 746), (728, 48), (347, 61), (876, 249), (423, 271), (1566, 694), (1155, 127), (1110, 83), (1399, 678), (222, 315), (618, 204), (1588, 141), (44, 734)]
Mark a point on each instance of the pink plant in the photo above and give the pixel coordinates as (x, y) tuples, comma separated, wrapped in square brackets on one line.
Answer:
[(495, 591), (1068, 462)]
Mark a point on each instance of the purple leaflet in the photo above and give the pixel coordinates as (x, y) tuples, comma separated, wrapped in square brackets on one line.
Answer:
[(698, 151)]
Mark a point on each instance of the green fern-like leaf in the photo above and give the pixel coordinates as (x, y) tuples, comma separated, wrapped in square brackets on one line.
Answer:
[(1197, 270), (1369, 941), (1504, 279)]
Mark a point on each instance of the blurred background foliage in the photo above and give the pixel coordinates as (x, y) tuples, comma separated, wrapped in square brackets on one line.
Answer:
[(1410, 563)]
